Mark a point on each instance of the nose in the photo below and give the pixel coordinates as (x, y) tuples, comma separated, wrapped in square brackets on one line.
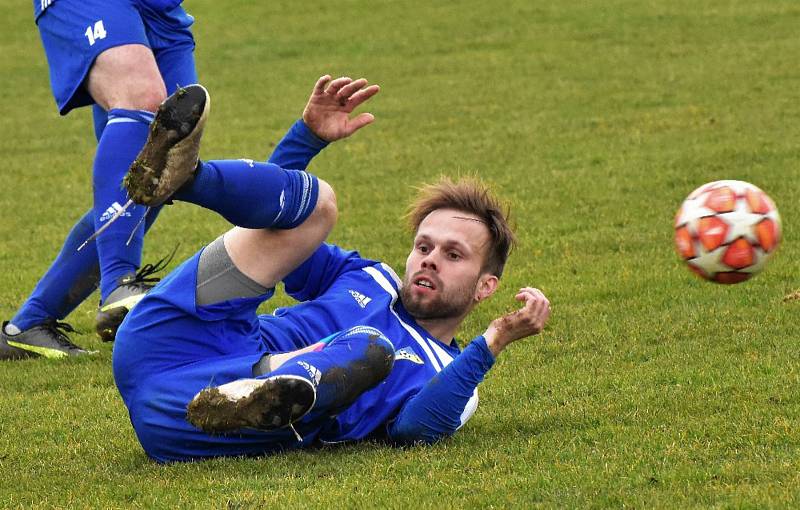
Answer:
[(429, 261)]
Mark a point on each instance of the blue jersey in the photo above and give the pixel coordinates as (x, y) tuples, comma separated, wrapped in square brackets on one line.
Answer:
[(339, 290)]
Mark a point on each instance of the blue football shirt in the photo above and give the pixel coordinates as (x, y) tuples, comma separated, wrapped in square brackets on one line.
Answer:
[(338, 290)]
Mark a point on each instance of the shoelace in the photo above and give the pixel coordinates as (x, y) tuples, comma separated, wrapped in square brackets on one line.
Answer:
[(58, 331), (144, 275)]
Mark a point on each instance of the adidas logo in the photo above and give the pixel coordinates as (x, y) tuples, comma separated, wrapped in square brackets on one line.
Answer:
[(312, 371), (408, 354), (112, 210), (360, 298)]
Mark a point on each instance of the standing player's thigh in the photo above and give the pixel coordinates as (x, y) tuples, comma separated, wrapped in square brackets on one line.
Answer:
[(126, 77), (172, 42), (75, 32), (177, 67)]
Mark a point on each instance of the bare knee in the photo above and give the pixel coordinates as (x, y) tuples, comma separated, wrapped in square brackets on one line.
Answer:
[(126, 77), (326, 210)]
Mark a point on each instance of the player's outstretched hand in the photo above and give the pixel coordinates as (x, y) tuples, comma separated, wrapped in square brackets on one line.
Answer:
[(327, 113), (528, 320)]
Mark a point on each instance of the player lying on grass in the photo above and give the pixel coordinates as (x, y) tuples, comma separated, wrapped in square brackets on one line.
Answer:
[(363, 355)]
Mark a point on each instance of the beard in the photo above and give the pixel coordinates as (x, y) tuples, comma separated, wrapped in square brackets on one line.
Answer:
[(448, 303)]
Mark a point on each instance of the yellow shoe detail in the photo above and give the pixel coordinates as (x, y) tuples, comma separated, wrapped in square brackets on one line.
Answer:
[(42, 351), (127, 302)]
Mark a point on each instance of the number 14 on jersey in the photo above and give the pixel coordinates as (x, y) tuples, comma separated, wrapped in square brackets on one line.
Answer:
[(93, 33)]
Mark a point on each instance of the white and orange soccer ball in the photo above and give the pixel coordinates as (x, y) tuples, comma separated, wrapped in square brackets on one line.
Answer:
[(726, 231)]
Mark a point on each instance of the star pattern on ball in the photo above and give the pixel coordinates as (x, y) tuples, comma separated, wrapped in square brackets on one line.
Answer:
[(742, 222), (693, 209), (711, 261)]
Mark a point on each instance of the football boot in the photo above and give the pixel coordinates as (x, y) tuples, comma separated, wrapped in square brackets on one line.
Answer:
[(130, 290), (49, 339), (170, 155), (262, 404)]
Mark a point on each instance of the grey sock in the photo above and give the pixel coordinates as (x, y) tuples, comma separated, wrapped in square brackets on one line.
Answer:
[(218, 279), (263, 366)]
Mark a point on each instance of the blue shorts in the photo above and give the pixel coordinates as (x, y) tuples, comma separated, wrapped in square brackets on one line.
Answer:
[(75, 32), (168, 349)]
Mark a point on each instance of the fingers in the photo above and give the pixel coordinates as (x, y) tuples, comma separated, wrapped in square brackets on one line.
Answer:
[(529, 294), (349, 89), (336, 85), (362, 95), (536, 303), (358, 122), (319, 87), (349, 92)]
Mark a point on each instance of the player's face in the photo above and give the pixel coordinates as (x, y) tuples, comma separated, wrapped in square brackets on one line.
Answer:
[(443, 270)]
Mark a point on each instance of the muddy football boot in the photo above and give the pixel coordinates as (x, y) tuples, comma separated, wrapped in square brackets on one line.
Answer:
[(169, 158), (130, 290), (262, 404), (48, 339)]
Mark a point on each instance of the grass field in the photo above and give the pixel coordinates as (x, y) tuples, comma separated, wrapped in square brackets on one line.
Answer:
[(595, 118)]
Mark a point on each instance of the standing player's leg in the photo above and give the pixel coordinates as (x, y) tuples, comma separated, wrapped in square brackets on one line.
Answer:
[(175, 61), (97, 52), (71, 278), (34, 329), (124, 81)]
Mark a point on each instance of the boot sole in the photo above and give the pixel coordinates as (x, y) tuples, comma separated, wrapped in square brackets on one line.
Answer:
[(273, 404), (169, 157)]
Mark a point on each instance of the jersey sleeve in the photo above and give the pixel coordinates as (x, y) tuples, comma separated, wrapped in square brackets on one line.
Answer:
[(442, 406), (297, 147), (160, 5), (318, 272)]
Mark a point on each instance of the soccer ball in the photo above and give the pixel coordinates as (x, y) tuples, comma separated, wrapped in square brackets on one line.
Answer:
[(726, 231)]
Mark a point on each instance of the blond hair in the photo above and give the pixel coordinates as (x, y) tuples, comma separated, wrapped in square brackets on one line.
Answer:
[(471, 196)]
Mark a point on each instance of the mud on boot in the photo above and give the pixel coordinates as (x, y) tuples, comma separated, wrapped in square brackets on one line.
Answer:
[(169, 157), (262, 404)]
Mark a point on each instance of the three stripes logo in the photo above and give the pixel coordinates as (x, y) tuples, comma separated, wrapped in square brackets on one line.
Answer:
[(360, 298), (408, 354), (112, 210)]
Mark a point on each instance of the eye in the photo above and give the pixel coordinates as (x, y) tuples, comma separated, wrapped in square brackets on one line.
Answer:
[(453, 255), (423, 248)]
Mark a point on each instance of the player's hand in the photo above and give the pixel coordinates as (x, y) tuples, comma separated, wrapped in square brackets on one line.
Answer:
[(528, 320), (327, 113)]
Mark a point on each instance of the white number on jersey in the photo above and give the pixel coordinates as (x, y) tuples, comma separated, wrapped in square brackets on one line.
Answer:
[(99, 32)]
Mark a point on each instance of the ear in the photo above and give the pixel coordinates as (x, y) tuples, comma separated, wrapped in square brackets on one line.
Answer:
[(487, 285)]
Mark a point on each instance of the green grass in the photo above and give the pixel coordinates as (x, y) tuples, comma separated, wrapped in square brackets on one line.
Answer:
[(596, 118)]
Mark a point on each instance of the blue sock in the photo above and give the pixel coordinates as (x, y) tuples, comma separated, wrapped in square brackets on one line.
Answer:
[(71, 278), (352, 362), (99, 120), (251, 194), (122, 139)]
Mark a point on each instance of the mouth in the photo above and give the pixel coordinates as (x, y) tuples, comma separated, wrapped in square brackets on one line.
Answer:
[(424, 283)]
